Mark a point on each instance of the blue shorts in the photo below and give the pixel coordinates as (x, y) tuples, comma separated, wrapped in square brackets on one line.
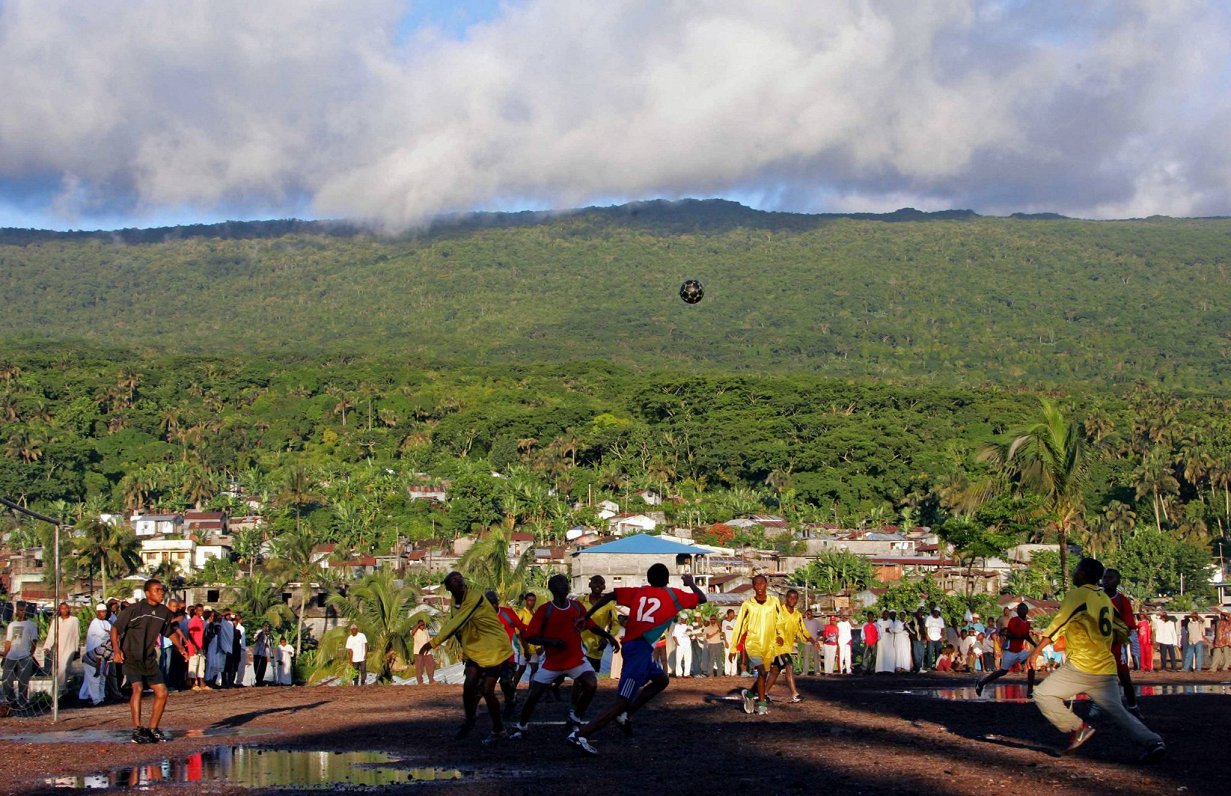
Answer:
[(639, 668)]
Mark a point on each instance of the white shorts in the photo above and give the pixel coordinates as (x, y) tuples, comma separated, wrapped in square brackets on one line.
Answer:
[(196, 665), (526, 660), (1007, 659), (547, 676)]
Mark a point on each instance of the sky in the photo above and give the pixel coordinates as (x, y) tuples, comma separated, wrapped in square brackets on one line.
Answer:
[(139, 113)]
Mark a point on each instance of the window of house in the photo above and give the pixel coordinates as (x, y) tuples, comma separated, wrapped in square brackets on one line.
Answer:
[(211, 595)]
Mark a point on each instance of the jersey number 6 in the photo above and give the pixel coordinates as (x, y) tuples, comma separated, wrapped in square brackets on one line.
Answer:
[(1104, 624)]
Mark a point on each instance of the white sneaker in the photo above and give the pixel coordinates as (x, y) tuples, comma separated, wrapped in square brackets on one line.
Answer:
[(576, 741), (516, 730), (750, 702), (575, 719)]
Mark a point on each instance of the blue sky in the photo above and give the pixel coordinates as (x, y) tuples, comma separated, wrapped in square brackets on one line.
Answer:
[(151, 112)]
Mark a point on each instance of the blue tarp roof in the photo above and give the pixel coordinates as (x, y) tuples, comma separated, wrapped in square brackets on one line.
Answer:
[(644, 544)]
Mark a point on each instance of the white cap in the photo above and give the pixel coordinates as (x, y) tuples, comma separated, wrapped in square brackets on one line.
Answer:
[(101, 607)]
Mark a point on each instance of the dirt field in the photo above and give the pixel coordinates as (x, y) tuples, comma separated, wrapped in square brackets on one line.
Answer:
[(851, 735)]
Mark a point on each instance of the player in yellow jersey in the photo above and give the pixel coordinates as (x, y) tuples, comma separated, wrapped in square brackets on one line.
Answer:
[(606, 618), (756, 628), (1088, 624), (485, 647), (791, 631), (529, 652)]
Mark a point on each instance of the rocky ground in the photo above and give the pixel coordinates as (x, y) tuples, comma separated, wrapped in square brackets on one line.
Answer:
[(872, 735)]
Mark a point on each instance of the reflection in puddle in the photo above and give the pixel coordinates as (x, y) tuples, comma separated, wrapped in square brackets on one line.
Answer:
[(1017, 693), (123, 735), (262, 768)]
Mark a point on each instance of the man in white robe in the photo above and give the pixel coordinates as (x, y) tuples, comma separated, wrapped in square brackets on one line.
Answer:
[(901, 644)]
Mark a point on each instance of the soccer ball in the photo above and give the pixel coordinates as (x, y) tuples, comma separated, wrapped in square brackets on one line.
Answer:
[(691, 291)]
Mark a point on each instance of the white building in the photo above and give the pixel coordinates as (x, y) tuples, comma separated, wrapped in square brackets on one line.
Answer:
[(622, 524), (155, 552), (157, 524)]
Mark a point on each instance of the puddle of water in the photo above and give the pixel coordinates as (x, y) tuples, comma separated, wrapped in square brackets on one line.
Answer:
[(1017, 693), (123, 736), (244, 767)]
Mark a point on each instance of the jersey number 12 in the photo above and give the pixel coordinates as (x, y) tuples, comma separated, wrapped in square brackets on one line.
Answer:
[(647, 608)]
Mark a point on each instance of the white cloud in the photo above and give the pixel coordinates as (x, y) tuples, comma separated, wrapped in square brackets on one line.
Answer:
[(253, 108)]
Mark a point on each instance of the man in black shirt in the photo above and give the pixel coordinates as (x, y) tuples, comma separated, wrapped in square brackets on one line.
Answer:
[(136, 638)]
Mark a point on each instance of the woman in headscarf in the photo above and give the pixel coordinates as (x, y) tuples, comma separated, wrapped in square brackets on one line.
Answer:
[(886, 657), (901, 643)]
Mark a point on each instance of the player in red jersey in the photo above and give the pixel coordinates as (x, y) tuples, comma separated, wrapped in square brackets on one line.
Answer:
[(1123, 607), (1019, 642), (514, 627), (651, 609), (556, 627)]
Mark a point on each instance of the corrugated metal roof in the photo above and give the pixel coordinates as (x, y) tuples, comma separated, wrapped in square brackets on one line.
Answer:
[(644, 544)]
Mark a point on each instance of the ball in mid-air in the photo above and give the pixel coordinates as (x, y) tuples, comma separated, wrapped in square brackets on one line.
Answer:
[(691, 291)]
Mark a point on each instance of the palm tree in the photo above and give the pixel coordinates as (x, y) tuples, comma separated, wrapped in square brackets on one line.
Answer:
[(489, 565), (385, 613), (259, 597), (298, 490), (1154, 478), (295, 561), (108, 547), (1049, 457)]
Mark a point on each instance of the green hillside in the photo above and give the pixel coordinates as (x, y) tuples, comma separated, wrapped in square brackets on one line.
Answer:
[(954, 298)]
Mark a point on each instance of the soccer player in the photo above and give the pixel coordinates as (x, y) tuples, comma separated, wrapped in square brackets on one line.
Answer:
[(555, 627), (1017, 650), (485, 647), (136, 638), (1124, 658), (529, 654), (512, 626), (791, 629), (757, 625), (606, 618), (1088, 624), (651, 609)]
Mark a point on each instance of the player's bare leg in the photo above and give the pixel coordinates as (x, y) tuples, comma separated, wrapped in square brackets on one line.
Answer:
[(584, 689), (160, 704)]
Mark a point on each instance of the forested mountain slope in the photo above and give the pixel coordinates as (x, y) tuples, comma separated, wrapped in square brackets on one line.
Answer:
[(948, 298)]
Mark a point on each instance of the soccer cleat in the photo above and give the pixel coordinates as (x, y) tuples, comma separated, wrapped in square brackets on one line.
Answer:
[(796, 699), (580, 744), (1155, 753), (495, 737), (625, 723), (160, 736), (464, 730), (575, 719), (979, 689), (750, 702), (763, 708), (142, 735), (517, 730), (1078, 738)]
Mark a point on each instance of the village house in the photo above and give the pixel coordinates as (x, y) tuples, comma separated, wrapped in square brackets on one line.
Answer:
[(437, 493), (622, 524), (202, 524)]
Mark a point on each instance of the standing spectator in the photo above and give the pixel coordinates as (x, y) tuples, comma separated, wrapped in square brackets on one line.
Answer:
[(711, 653), (845, 636), (425, 662), (19, 641), (730, 657), (915, 630), (175, 666), (934, 630), (240, 671), (260, 652), (194, 642), (1166, 636), (1145, 643), (67, 643), (98, 651), (829, 643), (285, 662), (869, 637), (965, 651), (357, 646), (682, 635), (988, 649), (901, 642), (1220, 661), (226, 646), (885, 650), (1194, 636)]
